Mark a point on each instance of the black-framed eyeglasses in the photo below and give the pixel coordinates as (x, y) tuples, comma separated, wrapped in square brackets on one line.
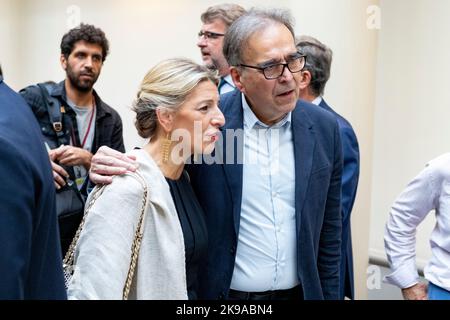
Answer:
[(210, 35), (274, 71)]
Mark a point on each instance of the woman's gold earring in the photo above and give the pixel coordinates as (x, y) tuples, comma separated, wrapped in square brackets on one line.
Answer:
[(166, 148)]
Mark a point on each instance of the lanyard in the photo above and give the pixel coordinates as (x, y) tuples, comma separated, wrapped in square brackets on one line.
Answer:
[(90, 123)]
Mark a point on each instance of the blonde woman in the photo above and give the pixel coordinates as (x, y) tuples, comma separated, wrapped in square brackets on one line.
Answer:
[(177, 98)]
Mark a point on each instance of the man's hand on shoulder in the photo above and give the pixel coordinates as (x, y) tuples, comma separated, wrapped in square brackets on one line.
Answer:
[(108, 162)]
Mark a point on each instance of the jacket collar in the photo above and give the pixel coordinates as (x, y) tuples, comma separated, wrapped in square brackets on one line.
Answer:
[(233, 112), (59, 91), (304, 144)]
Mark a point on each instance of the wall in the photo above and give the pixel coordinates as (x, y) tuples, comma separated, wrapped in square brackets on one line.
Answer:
[(10, 44), (412, 106), (342, 25)]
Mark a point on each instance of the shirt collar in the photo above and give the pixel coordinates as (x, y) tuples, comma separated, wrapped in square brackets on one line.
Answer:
[(251, 120), (229, 80), (317, 100)]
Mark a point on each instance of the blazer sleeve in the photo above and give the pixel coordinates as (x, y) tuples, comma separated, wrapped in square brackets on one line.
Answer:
[(350, 173), (330, 237), (103, 253), (16, 221)]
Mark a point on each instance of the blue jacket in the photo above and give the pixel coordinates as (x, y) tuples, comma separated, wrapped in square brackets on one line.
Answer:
[(318, 169), (350, 176), (30, 254)]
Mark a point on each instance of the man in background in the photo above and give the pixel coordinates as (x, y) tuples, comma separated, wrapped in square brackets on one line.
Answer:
[(312, 85), (74, 121), (216, 21)]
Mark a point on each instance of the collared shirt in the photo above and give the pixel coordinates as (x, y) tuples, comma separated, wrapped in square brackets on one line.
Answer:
[(266, 254), (317, 100), (226, 85), (430, 190)]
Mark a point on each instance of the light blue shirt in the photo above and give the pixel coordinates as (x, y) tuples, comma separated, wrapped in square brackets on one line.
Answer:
[(266, 254)]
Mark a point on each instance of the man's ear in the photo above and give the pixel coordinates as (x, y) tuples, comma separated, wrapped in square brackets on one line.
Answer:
[(236, 76), (305, 79), (63, 61), (165, 118)]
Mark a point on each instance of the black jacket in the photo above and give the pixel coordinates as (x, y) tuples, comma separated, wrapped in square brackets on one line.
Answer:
[(108, 124)]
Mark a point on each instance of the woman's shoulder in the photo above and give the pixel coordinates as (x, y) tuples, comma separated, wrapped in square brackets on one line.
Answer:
[(124, 192)]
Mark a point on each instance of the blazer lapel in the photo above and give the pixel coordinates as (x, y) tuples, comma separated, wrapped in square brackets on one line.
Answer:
[(304, 144), (232, 109)]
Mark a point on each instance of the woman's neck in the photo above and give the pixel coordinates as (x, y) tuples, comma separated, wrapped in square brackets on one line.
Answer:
[(169, 169)]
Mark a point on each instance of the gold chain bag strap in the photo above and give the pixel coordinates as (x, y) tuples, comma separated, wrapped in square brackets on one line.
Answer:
[(68, 265)]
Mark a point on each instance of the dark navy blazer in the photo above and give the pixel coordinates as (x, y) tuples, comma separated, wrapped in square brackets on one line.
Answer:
[(350, 176), (30, 254), (318, 169)]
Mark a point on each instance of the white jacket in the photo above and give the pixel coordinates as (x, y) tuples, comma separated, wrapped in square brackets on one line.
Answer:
[(103, 252)]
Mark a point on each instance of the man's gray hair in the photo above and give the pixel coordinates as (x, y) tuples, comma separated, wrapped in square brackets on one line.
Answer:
[(251, 22), (318, 62), (227, 12)]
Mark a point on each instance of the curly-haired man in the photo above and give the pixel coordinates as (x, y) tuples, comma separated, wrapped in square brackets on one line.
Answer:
[(74, 121)]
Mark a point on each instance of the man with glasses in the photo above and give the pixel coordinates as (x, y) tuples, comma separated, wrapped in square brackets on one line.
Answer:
[(274, 225), (216, 21), (312, 85)]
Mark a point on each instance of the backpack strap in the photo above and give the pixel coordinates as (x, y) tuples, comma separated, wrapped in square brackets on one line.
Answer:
[(54, 110)]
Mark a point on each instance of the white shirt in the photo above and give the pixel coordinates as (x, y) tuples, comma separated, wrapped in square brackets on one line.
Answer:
[(317, 100), (430, 190), (266, 254), (227, 86)]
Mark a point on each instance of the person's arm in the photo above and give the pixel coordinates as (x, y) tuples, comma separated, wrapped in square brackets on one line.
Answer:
[(16, 221), (107, 163), (408, 211), (103, 252), (330, 237), (350, 173)]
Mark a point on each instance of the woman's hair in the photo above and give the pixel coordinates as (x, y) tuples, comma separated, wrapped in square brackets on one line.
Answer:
[(167, 85)]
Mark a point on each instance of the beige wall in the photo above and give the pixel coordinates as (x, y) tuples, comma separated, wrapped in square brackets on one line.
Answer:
[(10, 45), (145, 32), (412, 106)]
